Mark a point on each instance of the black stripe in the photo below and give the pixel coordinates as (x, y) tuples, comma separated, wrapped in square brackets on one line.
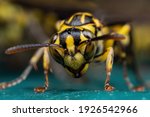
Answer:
[(76, 21), (74, 32)]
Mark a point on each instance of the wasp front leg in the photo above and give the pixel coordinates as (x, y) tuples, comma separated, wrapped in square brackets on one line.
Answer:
[(108, 57), (46, 66), (109, 64)]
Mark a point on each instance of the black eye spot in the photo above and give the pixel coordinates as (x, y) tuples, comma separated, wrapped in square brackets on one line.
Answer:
[(87, 34)]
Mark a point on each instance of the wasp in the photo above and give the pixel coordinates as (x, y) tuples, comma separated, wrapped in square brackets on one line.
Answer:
[(80, 40)]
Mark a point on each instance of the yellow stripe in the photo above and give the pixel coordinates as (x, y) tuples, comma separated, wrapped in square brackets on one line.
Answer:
[(89, 27), (97, 23), (57, 40), (83, 38), (46, 60), (70, 19), (108, 43), (70, 44), (88, 14), (85, 13), (83, 19), (64, 27), (125, 29), (59, 24)]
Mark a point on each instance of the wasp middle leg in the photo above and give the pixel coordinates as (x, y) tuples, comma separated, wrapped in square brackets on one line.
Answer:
[(25, 73), (124, 51), (46, 66)]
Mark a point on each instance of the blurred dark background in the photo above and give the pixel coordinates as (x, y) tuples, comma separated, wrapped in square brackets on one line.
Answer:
[(33, 21)]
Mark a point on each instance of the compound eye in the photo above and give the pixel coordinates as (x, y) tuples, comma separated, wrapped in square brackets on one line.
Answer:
[(87, 34)]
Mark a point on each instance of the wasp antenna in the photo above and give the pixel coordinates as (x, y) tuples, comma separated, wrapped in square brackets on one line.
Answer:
[(55, 46), (22, 48), (111, 36)]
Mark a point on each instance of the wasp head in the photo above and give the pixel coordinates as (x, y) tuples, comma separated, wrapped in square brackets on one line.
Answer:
[(70, 52)]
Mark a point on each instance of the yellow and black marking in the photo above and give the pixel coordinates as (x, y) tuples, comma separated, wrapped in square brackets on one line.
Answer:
[(73, 31), (80, 40)]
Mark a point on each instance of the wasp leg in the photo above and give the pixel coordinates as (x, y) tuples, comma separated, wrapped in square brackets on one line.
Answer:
[(124, 55), (18, 80), (46, 66), (128, 82), (108, 57), (25, 73), (127, 55), (109, 64), (35, 58)]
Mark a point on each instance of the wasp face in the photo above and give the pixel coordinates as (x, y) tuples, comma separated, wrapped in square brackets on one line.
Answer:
[(76, 65), (70, 53)]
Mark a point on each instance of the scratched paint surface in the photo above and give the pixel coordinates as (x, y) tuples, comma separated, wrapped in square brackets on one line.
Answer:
[(66, 91)]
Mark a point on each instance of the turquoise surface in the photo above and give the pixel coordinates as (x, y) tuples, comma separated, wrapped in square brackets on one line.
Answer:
[(59, 90)]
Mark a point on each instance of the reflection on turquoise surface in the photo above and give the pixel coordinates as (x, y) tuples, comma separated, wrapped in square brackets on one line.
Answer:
[(89, 89)]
